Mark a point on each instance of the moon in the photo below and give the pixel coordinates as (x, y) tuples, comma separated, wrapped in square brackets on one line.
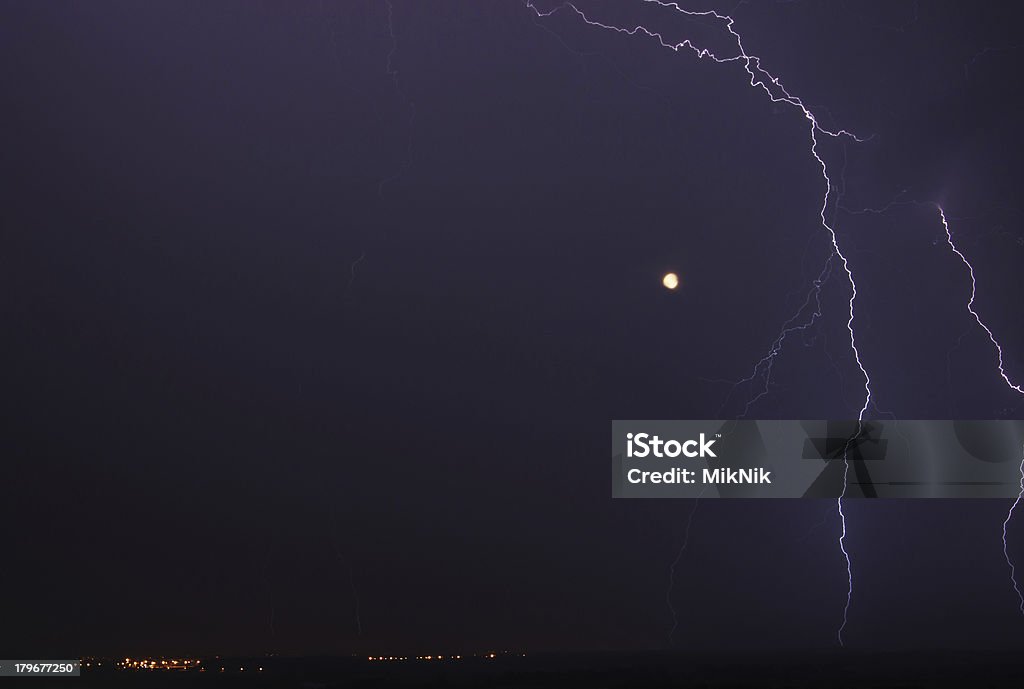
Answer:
[(671, 280)]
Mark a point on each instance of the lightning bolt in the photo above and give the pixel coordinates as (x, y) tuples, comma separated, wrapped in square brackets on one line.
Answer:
[(777, 93), (764, 367), (1006, 549), (970, 303), (995, 343), (406, 162), (842, 544), (796, 324), (672, 570), (1006, 379)]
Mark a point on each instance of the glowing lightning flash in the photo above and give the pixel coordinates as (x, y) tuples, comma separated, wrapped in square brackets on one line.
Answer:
[(773, 87)]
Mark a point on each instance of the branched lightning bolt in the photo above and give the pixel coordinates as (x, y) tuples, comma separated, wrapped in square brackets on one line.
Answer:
[(777, 93), (763, 368)]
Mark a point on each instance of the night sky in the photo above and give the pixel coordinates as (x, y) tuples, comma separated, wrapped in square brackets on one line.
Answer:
[(227, 432)]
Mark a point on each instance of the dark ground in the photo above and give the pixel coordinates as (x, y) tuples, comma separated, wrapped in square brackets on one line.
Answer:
[(812, 669)]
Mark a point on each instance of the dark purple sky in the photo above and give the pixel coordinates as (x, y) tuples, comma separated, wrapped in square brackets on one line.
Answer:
[(216, 441)]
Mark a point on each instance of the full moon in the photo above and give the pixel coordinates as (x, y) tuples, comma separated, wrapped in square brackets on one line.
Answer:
[(671, 280)]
